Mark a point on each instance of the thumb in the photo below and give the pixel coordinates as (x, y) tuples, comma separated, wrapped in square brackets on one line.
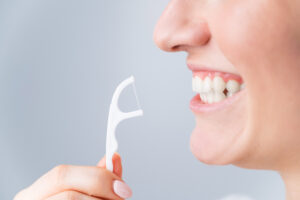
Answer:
[(117, 162)]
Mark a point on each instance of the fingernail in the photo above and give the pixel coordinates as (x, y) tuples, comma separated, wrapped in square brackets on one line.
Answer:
[(122, 189)]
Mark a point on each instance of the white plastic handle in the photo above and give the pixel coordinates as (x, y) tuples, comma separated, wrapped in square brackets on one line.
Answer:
[(114, 118)]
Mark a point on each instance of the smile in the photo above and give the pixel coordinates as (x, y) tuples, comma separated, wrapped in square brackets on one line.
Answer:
[(215, 90)]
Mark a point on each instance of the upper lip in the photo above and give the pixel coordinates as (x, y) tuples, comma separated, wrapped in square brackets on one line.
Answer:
[(203, 67)]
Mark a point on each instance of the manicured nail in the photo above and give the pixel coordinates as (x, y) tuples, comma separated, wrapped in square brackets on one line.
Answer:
[(121, 189)]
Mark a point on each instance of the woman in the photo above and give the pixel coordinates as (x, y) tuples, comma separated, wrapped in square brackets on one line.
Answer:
[(230, 44)]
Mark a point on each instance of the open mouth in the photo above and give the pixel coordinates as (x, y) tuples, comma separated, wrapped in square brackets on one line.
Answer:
[(215, 89)]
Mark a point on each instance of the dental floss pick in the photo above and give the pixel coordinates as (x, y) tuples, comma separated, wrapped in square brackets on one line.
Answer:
[(115, 116)]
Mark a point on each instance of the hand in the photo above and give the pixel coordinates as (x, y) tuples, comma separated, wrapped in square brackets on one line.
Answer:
[(66, 182)]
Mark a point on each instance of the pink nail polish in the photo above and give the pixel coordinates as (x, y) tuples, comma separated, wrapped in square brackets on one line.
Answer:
[(121, 189)]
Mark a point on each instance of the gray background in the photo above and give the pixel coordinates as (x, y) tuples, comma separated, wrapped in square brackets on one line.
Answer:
[(60, 61)]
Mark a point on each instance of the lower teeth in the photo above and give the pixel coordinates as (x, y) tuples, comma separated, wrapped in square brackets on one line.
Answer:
[(215, 97), (212, 97)]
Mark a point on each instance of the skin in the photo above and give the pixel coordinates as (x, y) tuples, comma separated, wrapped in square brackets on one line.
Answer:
[(75, 182), (260, 41)]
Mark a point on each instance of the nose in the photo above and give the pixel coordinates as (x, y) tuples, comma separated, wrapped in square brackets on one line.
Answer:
[(181, 27)]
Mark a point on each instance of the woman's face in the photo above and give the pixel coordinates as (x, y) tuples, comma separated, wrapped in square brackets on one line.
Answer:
[(255, 42)]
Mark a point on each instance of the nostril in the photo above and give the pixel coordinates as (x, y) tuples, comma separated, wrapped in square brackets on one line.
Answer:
[(175, 48), (179, 48)]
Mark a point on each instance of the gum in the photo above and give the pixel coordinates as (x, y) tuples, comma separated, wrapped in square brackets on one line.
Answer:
[(225, 76)]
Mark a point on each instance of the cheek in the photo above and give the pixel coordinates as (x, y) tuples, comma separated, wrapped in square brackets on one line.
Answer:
[(261, 41), (247, 31)]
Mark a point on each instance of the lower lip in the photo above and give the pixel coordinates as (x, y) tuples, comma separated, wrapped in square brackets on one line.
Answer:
[(198, 106)]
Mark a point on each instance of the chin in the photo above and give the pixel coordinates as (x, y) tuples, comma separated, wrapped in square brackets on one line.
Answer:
[(220, 144)]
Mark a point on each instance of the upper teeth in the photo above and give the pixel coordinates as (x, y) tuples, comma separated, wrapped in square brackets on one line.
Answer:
[(233, 86), (212, 91), (207, 85), (219, 84)]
